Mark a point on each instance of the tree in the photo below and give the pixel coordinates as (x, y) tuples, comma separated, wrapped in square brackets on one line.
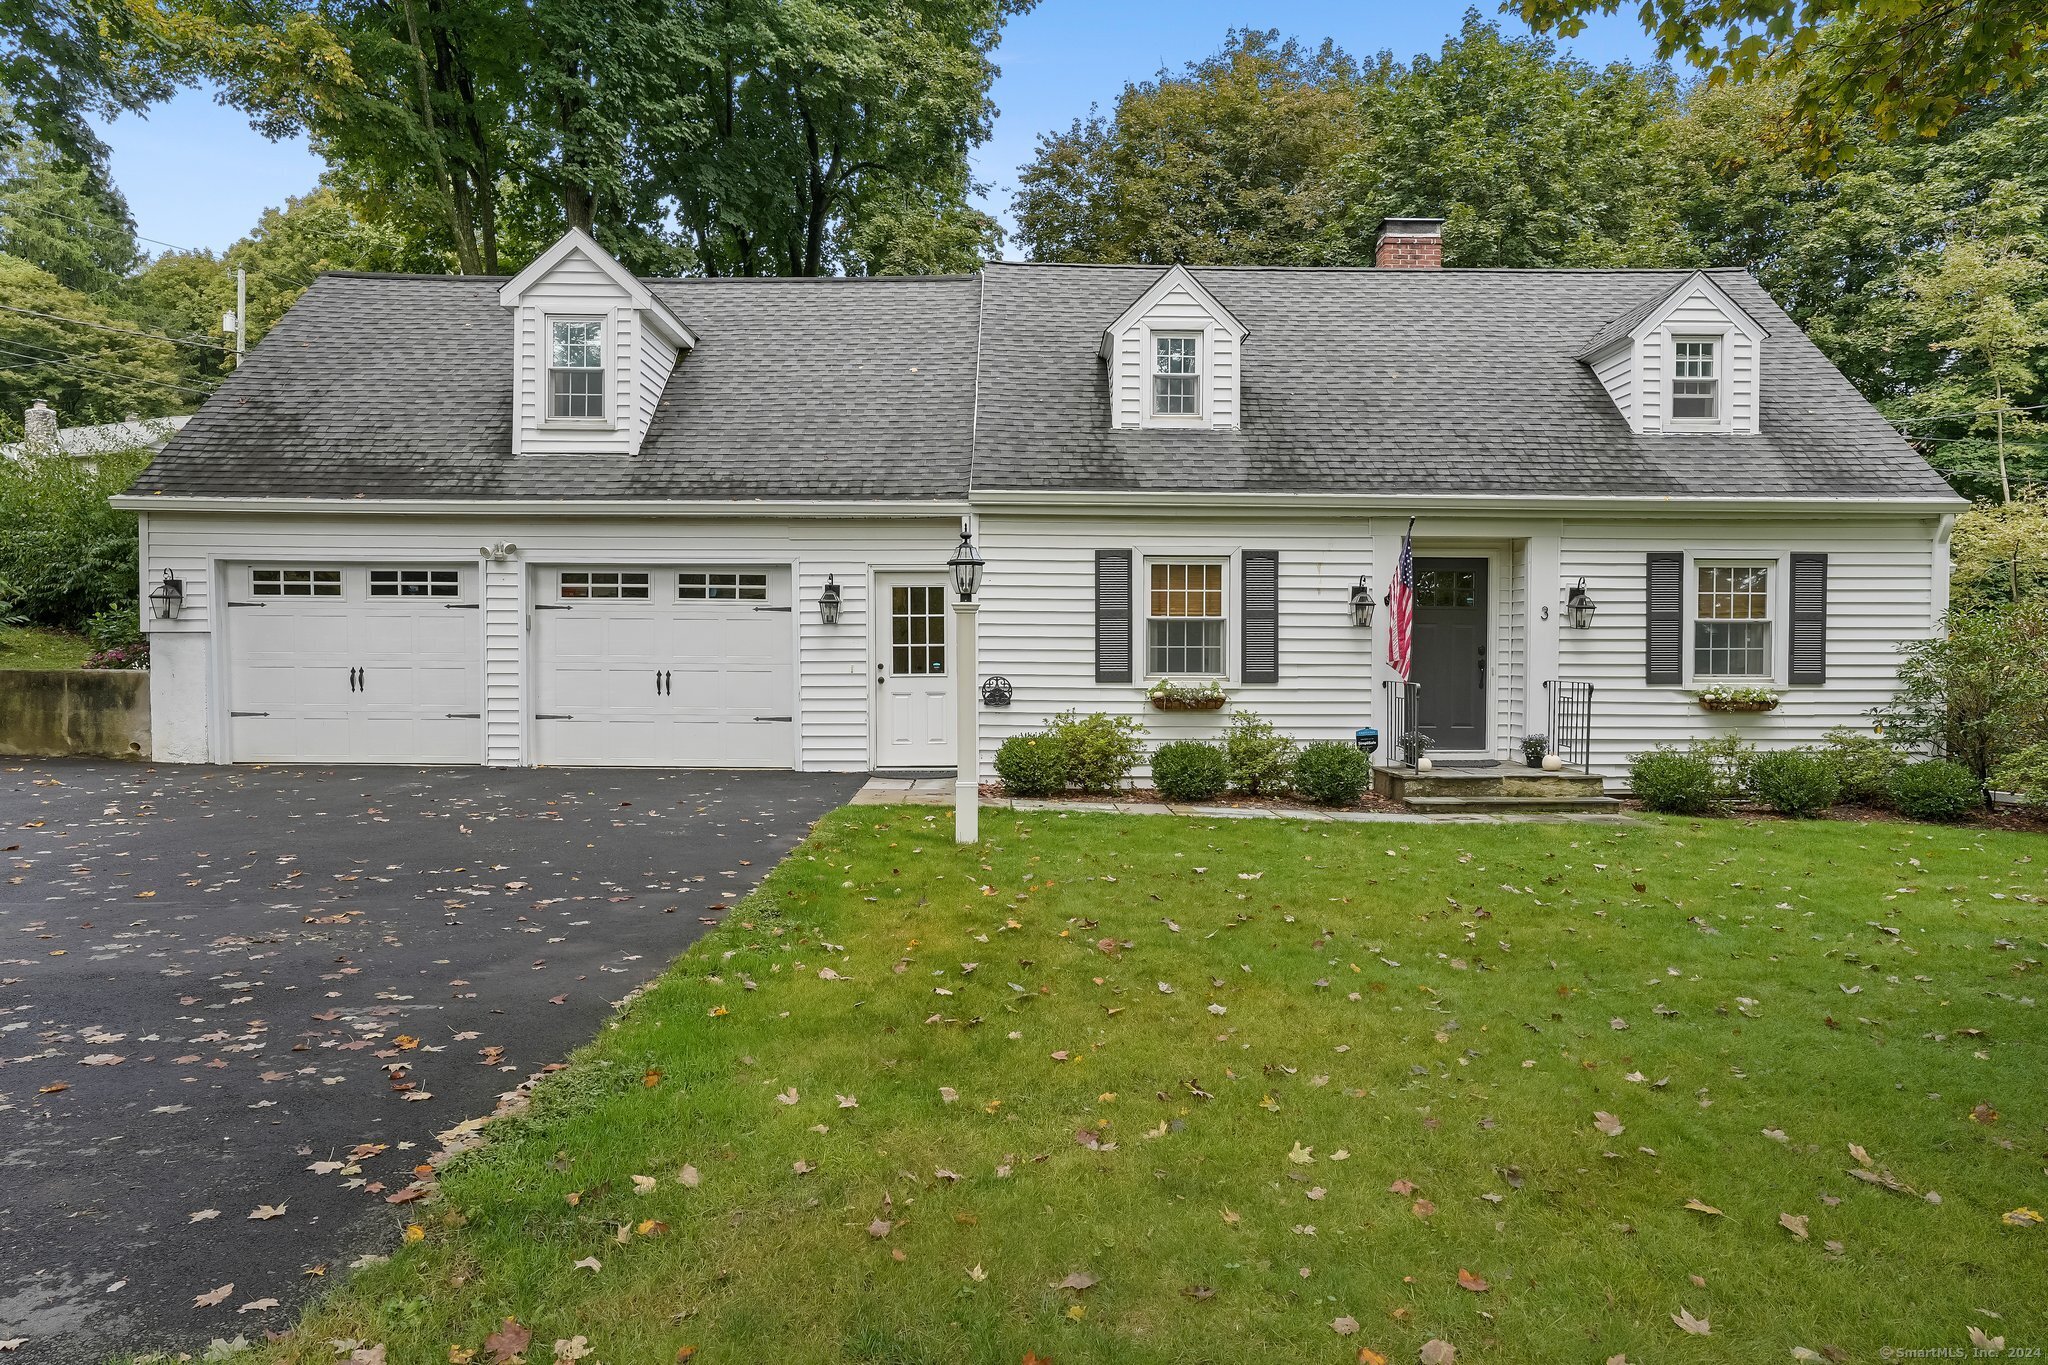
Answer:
[(93, 369), (1235, 160), (2000, 552), (61, 214), (1897, 66), (63, 61)]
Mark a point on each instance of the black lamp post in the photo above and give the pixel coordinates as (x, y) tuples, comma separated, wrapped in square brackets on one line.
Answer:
[(168, 597), (966, 565), (1579, 608)]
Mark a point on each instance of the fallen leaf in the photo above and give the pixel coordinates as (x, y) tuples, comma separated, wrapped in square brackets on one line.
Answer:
[(257, 1306), (1422, 1208), (1437, 1351), (1346, 1326), (788, 1096), (589, 1263), (1080, 1279), (948, 1093), (574, 1348), (1697, 1207), (1301, 1156), (1794, 1223), (1607, 1123), (1368, 1356), (202, 1216), (880, 1228), (1475, 1283), (1985, 1343), (263, 1213), (508, 1341), (644, 1184), (688, 1176), (1698, 1327), (214, 1298), (976, 1273), (2021, 1217)]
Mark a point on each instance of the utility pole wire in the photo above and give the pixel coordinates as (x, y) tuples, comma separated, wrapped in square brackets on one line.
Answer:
[(103, 327)]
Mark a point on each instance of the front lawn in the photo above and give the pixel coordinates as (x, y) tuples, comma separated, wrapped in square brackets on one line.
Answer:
[(39, 649), (1279, 1092)]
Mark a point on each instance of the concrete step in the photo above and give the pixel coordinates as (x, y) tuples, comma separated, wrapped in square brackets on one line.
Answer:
[(1502, 780), (1509, 805)]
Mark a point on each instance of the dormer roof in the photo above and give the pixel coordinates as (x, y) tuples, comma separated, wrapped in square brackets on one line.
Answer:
[(1173, 277), (1644, 314), (576, 242)]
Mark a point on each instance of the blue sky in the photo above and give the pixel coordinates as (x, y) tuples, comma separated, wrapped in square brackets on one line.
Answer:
[(197, 175)]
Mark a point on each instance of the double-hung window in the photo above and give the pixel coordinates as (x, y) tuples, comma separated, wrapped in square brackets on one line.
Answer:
[(1731, 633), (1184, 621), (1176, 374), (1695, 380), (576, 369)]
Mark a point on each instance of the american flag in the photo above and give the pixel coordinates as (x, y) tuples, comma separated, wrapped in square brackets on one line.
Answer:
[(1401, 609)]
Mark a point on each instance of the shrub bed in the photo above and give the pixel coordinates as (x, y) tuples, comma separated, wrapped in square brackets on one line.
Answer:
[(1936, 789), (1675, 781), (1332, 773), (1794, 781), (1189, 770)]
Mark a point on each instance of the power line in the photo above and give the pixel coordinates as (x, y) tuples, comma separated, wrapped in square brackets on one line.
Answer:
[(103, 327), (104, 228), (1952, 416), (35, 361)]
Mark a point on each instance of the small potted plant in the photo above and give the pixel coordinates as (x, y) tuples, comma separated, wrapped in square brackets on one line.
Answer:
[(1729, 697), (1533, 749), (1414, 748), (1168, 695)]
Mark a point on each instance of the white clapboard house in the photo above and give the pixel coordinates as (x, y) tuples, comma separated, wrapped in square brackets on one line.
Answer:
[(581, 518)]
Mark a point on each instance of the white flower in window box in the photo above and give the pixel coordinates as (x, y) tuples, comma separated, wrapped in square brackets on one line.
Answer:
[(1168, 695), (1730, 697)]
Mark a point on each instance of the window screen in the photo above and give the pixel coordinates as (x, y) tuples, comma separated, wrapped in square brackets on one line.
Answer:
[(576, 369), (1731, 634), (1184, 625)]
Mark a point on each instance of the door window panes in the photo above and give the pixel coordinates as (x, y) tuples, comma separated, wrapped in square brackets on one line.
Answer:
[(917, 630)]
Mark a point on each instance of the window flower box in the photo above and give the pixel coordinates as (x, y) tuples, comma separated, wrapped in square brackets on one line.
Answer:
[(1727, 698), (1168, 695)]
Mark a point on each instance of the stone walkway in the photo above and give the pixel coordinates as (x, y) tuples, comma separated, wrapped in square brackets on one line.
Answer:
[(938, 791)]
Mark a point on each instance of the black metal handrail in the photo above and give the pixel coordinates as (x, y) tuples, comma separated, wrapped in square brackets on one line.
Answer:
[(1571, 721), (1404, 715)]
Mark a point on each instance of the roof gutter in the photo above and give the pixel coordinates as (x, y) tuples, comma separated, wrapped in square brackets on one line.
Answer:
[(1125, 502), (809, 509)]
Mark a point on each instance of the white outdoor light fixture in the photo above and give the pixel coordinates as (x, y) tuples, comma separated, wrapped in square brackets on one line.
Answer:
[(1361, 604), (1579, 608), (168, 597), (966, 566), (828, 602)]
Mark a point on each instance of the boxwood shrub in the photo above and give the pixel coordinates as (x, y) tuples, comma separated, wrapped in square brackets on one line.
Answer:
[(1676, 782), (1936, 789), (1100, 749), (1794, 781), (1189, 770), (1332, 773), (1032, 765)]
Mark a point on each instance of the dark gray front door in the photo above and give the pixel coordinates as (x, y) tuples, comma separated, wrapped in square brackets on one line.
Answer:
[(1450, 651)]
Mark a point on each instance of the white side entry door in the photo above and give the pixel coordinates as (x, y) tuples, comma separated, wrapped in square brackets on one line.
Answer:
[(913, 673)]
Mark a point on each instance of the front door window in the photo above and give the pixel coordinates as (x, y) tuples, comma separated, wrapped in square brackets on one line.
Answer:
[(917, 630)]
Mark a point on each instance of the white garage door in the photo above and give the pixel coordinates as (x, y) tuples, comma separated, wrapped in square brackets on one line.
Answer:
[(686, 667), (354, 663)]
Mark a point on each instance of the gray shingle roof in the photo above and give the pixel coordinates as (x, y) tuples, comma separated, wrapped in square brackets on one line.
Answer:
[(1354, 381)]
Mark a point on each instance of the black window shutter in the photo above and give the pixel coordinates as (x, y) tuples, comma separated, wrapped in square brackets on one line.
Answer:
[(1809, 618), (1112, 616), (1664, 618), (1259, 589)]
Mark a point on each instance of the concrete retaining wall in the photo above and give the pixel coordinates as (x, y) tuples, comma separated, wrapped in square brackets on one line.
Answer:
[(90, 713)]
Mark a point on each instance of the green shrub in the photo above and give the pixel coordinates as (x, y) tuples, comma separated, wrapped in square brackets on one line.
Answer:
[(1677, 781), (1261, 759), (1794, 781), (1032, 765), (64, 550), (2024, 773), (1730, 756), (1863, 765), (1936, 789), (115, 628), (1978, 691), (1332, 773), (1189, 770), (1101, 749)]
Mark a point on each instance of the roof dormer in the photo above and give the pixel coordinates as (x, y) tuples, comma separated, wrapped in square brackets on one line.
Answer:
[(1688, 360), (1173, 358), (593, 350)]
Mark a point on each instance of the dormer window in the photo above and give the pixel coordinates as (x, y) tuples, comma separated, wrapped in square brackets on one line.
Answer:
[(1176, 374), (1695, 380), (576, 369)]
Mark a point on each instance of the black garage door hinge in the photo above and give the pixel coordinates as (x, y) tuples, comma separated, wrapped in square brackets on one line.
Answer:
[(248, 713), (774, 718), (465, 715), (771, 608), (552, 606), (542, 715), (248, 604), (463, 606)]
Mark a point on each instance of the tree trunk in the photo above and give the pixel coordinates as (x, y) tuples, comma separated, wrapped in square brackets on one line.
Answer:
[(453, 197)]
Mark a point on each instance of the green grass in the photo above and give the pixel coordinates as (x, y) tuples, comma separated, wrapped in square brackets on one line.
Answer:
[(1443, 1003), (39, 649)]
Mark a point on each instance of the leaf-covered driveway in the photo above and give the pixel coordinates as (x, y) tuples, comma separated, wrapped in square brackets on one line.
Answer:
[(236, 1005)]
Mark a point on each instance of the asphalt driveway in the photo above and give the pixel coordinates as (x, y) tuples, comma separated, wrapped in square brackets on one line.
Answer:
[(238, 1004)]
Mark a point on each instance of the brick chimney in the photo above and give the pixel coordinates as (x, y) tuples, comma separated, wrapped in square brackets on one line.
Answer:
[(39, 424), (1409, 244)]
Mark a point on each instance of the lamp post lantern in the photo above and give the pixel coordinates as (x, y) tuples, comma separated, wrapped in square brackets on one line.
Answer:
[(1361, 604), (1579, 608), (168, 597), (966, 566)]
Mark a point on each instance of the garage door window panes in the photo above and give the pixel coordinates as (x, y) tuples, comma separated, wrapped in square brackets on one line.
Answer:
[(295, 582), (415, 583), (721, 585), (917, 630), (608, 583)]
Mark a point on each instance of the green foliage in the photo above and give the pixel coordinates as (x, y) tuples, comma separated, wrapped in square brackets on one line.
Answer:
[(1794, 781), (2000, 552), (1936, 789), (1189, 770), (1032, 765), (1977, 691), (1730, 757), (65, 64), (115, 627), (1261, 759), (1863, 764), (1101, 750), (2024, 773), (1332, 773), (1908, 67), (60, 215), (85, 373), (67, 553), (1676, 782)]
